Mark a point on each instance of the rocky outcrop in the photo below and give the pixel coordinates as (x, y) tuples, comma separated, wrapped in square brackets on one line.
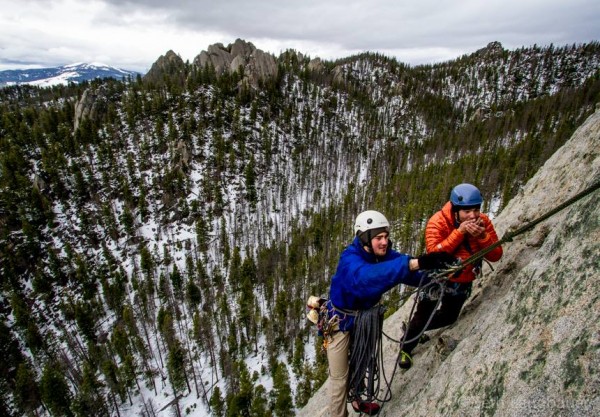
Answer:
[(217, 56), (316, 65), (92, 104), (256, 64), (170, 65), (528, 340), (492, 48)]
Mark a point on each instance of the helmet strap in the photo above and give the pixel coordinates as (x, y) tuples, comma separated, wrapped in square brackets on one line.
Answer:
[(456, 219)]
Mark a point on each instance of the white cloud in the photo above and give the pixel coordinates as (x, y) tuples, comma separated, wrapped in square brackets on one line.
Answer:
[(134, 33)]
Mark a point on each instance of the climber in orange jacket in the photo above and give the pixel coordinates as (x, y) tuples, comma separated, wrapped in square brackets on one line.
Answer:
[(460, 229)]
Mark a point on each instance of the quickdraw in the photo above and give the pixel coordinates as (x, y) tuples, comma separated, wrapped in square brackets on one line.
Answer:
[(328, 328), (318, 314)]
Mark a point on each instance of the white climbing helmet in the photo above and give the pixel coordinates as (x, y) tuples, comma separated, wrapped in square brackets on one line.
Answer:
[(368, 220)]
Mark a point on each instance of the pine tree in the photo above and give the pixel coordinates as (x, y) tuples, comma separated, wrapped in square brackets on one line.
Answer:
[(281, 401), (89, 400), (216, 403), (193, 295), (26, 393), (260, 402), (113, 380), (176, 367), (84, 316), (127, 220), (240, 400), (177, 282), (55, 392), (250, 179)]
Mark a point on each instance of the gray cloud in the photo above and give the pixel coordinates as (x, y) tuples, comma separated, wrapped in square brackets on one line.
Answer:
[(385, 23), (413, 31)]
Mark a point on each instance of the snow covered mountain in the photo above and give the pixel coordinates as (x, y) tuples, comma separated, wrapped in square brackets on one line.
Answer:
[(72, 73)]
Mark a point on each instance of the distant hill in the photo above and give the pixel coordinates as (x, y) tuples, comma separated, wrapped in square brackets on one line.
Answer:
[(72, 73)]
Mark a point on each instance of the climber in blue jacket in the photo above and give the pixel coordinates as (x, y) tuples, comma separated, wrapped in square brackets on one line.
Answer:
[(366, 270)]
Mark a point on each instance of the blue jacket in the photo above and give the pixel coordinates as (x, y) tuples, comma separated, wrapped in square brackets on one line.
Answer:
[(361, 279)]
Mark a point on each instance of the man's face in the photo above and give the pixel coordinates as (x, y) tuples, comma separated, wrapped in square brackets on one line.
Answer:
[(470, 214), (380, 243)]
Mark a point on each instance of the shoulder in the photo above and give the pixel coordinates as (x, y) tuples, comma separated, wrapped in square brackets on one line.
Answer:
[(354, 252), (486, 219), (441, 217)]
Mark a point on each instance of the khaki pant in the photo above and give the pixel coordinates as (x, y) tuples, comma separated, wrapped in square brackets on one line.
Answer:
[(337, 356)]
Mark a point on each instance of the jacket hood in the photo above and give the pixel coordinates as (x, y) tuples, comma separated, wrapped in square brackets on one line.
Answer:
[(449, 215)]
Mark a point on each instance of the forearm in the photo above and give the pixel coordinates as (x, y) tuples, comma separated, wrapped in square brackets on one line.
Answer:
[(436, 242)]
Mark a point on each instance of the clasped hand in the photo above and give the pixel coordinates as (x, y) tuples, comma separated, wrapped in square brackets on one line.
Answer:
[(474, 227)]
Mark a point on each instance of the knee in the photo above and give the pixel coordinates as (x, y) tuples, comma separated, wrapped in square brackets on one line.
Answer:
[(446, 319), (338, 372)]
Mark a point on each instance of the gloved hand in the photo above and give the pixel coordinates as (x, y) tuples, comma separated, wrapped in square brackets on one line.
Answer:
[(436, 260)]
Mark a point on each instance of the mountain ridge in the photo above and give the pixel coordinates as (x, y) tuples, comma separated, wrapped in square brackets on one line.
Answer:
[(63, 75)]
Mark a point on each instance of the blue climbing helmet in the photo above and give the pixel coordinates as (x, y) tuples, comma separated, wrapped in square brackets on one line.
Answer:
[(465, 196)]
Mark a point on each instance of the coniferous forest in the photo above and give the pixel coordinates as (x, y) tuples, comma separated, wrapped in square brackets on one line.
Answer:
[(157, 248)]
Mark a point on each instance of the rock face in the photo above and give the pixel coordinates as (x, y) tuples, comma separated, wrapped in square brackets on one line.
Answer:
[(168, 64), (256, 64), (528, 340), (316, 65), (92, 104), (216, 55)]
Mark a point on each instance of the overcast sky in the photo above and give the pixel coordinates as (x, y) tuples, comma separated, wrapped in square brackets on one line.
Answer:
[(132, 34)]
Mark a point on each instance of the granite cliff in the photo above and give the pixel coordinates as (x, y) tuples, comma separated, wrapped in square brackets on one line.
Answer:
[(528, 340)]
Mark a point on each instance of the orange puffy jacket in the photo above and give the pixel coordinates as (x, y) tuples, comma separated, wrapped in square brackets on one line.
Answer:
[(442, 235)]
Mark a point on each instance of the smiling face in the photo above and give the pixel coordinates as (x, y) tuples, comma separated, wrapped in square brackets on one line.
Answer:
[(380, 243), (469, 214)]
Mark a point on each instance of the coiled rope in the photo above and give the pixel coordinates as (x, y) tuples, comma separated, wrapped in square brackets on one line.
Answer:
[(366, 356)]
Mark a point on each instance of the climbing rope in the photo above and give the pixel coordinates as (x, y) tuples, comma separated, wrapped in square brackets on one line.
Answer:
[(509, 236), (441, 277), (366, 356)]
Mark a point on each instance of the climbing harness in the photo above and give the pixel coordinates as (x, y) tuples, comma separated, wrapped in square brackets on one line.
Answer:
[(328, 327), (366, 356), (318, 313)]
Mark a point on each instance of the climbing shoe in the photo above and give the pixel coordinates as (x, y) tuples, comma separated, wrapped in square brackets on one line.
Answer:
[(404, 361), (367, 408)]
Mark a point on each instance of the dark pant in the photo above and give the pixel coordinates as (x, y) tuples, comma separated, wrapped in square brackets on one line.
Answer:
[(446, 315)]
